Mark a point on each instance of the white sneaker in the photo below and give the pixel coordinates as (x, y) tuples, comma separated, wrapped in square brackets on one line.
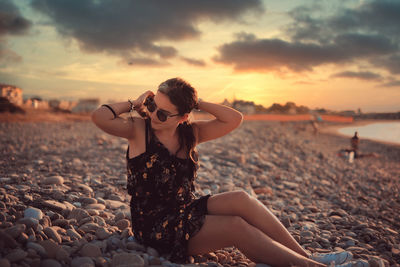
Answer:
[(356, 263), (335, 257)]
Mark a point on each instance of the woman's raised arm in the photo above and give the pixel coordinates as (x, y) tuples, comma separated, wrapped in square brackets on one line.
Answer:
[(104, 118), (226, 120)]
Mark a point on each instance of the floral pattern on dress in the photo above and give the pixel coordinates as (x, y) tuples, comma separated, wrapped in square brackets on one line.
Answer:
[(165, 212)]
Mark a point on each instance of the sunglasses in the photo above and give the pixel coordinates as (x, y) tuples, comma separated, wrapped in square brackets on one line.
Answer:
[(151, 106)]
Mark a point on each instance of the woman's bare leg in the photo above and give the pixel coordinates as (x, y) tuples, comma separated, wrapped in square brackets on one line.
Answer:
[(225, 231), (239, 203)]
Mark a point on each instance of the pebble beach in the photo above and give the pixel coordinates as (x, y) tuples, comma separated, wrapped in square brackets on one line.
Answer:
[(63, 199)]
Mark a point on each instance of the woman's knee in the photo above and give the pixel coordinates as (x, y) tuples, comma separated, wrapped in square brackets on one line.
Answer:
[(241, 199), (229, 203), (242, 195)]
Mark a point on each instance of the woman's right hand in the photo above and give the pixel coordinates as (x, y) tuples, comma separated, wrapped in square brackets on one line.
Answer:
[(139, 107)]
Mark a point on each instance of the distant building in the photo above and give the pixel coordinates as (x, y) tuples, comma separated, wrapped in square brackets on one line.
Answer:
[(36, 103), (86, 105), (12, 93), (290, 108), (62, 104), (226, 103), (245, 107), (347, 113)]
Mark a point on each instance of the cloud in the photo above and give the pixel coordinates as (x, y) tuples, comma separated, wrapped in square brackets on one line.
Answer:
[(370, 18), (194, 62), (11, 24), (11, 21), (314, 39), (248, 53), (391, 63), (393, 83), (131, 60), (363, 75), (138, 27), (7, 55)]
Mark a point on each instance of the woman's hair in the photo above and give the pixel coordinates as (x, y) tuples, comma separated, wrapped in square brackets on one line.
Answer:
[(184, 97)]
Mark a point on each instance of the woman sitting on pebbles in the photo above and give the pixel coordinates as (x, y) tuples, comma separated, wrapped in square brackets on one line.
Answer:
[(162, 163)]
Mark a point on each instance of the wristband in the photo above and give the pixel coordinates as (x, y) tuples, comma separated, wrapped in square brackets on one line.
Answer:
[(115, 115)]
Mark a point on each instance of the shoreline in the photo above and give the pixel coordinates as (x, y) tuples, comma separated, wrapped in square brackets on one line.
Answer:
[(334, 129)]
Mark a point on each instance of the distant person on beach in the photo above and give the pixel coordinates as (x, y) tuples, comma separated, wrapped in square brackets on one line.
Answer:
[(353, 152), (354, 144), (162, 163), (315, 127)]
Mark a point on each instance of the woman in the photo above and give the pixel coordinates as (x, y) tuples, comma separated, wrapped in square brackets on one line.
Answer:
[(162, 164)]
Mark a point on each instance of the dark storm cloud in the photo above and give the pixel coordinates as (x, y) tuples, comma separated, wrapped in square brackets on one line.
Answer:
[(368, 32), (362, 75), (138, 26), (11, 21)]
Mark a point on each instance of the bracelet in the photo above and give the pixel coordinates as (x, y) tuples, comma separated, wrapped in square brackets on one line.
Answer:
[(132, 107), (115, 115)]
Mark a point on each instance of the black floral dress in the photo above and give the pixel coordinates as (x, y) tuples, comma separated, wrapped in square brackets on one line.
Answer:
[(165, 211)]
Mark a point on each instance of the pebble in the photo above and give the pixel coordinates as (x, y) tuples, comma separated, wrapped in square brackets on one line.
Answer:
[(51, 248), (82, 262), (88, 227), (102, 233), (73, 234), (127, 259), (53, 180), (8, 240), (52, 204), (34, 213), (78, 214), (90, 250), (16, 255), (50, 263), (52, 233), (85, 188), (96, 206), (122, 224), (37, 247), (115, 204), (16, 230)]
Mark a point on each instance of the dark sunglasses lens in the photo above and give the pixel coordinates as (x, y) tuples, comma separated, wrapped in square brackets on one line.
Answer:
[(161, 116)]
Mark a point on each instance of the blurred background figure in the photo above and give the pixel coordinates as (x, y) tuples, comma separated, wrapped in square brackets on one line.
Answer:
[(354, 144)]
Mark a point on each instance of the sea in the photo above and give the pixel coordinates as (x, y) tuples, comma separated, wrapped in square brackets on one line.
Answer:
[(380, 131)]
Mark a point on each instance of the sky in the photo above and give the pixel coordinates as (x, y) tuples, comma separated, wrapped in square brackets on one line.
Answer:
[(333, 54)]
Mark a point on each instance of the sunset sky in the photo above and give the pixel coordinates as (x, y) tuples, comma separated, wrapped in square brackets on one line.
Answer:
[(334, 54)]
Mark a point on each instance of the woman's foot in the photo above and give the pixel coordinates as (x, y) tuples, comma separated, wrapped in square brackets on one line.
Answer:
[(335, 257)]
